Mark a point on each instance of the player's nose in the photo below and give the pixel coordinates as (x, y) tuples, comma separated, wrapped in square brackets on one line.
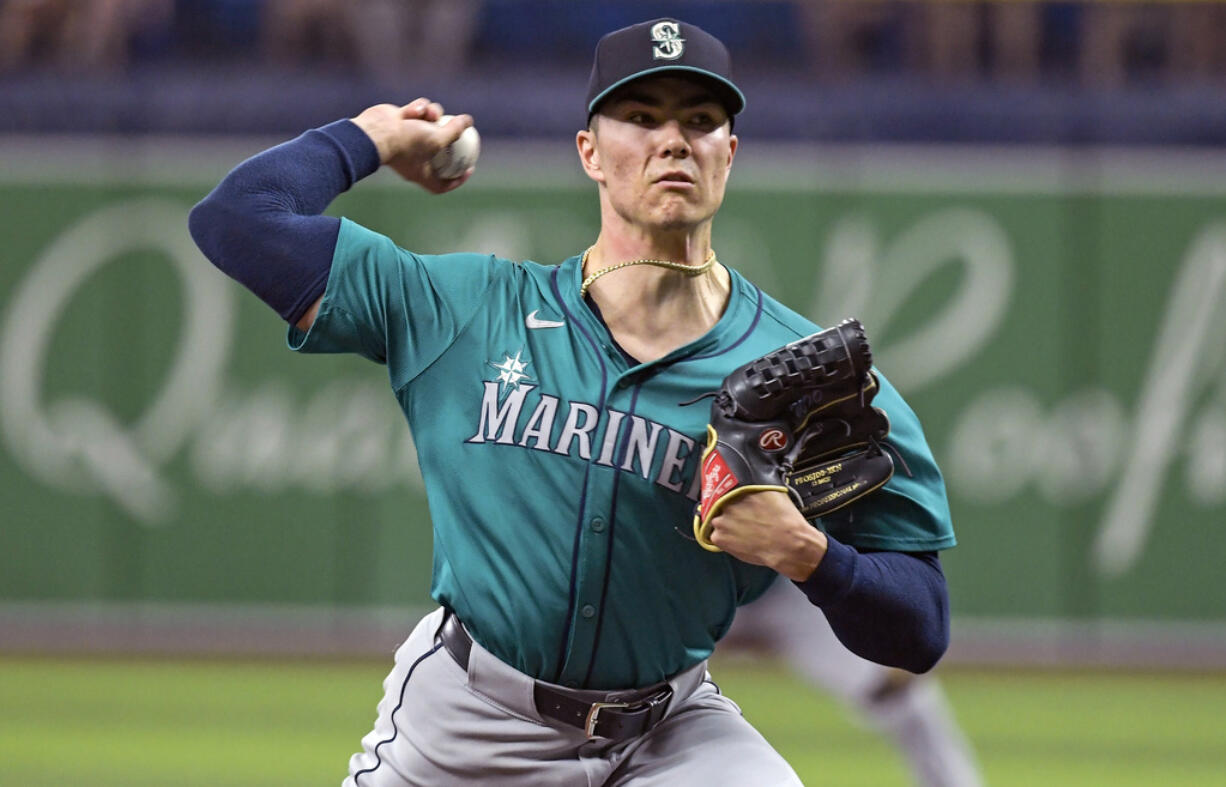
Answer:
[(673, 142)]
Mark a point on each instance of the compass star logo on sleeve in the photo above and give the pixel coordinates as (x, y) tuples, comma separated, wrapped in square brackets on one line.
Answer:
[(512, 372)]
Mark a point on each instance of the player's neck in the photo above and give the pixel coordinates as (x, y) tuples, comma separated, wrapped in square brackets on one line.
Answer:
[(689, 246), (651, 310)]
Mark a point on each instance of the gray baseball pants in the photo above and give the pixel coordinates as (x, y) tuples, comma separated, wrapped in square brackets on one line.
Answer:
[(439, 725)]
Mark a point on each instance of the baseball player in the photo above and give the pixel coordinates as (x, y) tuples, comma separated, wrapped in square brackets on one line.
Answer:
[(547, 403), (910, 710)]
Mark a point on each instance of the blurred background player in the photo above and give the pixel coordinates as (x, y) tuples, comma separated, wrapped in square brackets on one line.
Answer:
[(910, 710)]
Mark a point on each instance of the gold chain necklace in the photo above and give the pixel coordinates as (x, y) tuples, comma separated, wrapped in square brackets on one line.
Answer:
[(689, 270)]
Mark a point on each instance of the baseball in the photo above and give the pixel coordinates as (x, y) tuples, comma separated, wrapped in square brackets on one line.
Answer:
[(455, 159)]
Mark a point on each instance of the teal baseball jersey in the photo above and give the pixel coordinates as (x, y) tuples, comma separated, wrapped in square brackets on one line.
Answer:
[(561, 477)]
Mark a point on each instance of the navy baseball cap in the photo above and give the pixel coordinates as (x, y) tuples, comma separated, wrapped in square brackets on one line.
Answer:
[(661, 46)]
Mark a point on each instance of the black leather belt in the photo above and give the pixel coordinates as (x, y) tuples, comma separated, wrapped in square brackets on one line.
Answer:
[(627, 718)]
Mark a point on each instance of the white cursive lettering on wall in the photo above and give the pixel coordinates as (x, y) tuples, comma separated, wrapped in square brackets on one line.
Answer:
[(1188, 353), (862, 279), (1207, 457), (342, 438), (268, 437), (1006, 441), (76, 443)]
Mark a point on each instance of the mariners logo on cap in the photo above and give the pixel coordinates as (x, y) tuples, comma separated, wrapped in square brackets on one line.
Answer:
[(668, 43)]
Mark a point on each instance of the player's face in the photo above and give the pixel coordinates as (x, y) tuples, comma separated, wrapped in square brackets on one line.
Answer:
[(662, 147)]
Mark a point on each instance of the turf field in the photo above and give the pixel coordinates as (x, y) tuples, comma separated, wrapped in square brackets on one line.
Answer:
[(238, 724)]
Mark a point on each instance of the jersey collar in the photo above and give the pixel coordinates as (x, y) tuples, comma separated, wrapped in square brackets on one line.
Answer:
[(738, 320)]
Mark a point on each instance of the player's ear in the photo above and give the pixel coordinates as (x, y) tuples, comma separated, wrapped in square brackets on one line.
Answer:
[(589, 156), (732, 143)]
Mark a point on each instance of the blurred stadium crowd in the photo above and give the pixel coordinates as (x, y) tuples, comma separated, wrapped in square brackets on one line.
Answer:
[(827, 69)]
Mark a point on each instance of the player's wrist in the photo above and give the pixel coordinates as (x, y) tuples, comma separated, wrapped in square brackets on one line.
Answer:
[(379, 124), (833, 575), (805, 554), (360, 152)]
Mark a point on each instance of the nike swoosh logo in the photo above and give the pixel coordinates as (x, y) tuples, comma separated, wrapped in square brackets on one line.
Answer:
[(532, 321)]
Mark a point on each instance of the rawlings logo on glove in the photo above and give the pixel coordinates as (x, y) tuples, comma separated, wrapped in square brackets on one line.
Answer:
[(797, 420)]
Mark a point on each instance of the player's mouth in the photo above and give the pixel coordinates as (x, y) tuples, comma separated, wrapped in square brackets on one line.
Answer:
[(675, 179)]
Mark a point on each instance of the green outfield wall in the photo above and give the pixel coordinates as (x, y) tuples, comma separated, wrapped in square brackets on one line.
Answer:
[(1058, 322)]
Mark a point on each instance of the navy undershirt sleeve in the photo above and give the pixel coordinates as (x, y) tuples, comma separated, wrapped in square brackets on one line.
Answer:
[(888, 607), (262, 224)]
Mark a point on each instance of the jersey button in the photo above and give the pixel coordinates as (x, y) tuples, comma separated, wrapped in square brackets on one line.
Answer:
[(598, 525), (588, 611)]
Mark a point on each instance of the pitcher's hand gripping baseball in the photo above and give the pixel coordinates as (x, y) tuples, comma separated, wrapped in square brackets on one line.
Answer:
[(797, 420)]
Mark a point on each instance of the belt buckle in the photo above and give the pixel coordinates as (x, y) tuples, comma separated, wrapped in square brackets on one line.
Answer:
[(593, 714)]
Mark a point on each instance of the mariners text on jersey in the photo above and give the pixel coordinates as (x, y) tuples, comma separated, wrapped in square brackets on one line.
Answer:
[(507, 422)]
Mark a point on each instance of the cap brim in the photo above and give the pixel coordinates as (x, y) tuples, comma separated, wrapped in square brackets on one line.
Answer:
[(734, 99)]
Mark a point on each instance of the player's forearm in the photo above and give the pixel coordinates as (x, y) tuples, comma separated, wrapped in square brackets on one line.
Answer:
[(888, 607), (262, 224)]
